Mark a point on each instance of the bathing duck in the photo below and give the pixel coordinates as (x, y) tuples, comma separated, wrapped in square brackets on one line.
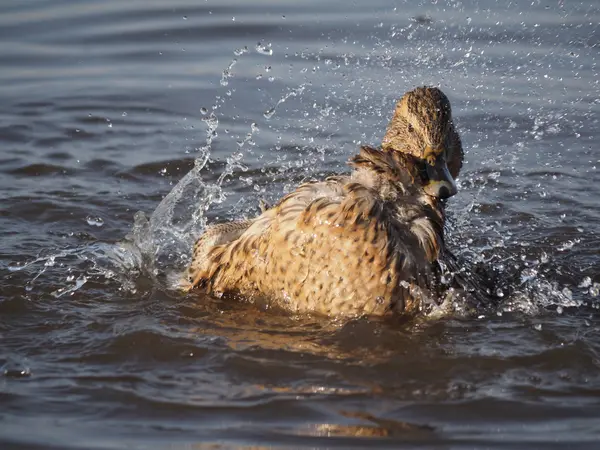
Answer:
[(364, 243)]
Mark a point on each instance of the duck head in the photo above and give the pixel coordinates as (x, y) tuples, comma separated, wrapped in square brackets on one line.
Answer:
[(422, 134)]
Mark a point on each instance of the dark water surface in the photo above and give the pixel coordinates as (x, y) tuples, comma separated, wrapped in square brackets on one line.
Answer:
[(106, 105)]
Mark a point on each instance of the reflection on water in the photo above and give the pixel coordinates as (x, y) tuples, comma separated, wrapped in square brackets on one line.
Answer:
[(127, 127)]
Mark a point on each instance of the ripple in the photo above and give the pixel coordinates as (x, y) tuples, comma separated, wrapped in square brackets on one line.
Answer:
[(105, 108), (40, 169)]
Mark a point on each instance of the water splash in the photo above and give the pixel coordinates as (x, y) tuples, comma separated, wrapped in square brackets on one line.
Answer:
[(165, 239), (75, 267), (291, 93), (158, 246), (264, 49), (226, 75)]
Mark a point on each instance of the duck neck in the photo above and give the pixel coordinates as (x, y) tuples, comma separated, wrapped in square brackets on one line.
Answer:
[(411, 180), (394, 175)]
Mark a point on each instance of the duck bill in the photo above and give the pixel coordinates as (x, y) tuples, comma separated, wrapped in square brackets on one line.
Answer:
[(441, 184)]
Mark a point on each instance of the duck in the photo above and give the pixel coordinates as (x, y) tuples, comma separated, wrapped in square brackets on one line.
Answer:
[(354, 244)]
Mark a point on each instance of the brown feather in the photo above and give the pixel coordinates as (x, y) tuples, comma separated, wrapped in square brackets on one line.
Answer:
[(362, 243)]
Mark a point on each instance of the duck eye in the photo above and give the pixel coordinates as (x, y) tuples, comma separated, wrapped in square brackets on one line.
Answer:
[(431, 160), (410, 128)]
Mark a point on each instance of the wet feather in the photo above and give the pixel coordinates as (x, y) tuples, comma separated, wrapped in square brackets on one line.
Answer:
[(361, 243)]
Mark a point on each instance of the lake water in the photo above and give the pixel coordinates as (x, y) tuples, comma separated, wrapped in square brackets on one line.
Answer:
[(109, 109)]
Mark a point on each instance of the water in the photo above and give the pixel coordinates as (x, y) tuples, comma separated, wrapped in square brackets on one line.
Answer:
[(126, 126)]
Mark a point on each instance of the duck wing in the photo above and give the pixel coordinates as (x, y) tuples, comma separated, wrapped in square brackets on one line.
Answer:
[(238, 240), (332, 247)]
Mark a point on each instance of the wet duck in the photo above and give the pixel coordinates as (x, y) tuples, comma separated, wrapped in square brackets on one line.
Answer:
[(355, 244)]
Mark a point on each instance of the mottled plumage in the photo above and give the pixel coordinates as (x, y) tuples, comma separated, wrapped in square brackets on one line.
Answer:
[(362, 243)]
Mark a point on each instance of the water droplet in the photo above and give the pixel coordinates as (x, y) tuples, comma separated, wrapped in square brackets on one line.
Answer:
[(227, 73), (264, 49), (568, 245), (185, 18), (585, 283), (14, 267), (538, 326), (16, 372), (50, 261), (124, 114), (269, 113), (240, 51), (94, 221), (203, 110), (212, 123), (528, 275), (559, 309)]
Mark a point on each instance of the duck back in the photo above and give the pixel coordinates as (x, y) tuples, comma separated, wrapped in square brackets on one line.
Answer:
[(349, 245)]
